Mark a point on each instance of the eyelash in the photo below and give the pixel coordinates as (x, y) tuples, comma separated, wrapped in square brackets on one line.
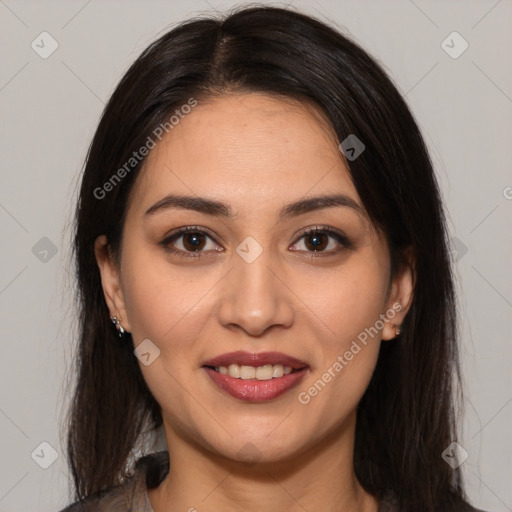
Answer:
[(341, 238)]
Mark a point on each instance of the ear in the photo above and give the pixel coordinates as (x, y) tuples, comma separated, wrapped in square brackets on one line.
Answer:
[(110, 281), (400, 297)]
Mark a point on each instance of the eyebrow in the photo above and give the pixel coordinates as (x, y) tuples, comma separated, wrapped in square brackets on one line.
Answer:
[(219, 209)]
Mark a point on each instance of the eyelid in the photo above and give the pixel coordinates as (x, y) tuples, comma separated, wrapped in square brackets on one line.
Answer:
[(188, 229), (179, 232), (339, 235), (329, 231), (322, 229)]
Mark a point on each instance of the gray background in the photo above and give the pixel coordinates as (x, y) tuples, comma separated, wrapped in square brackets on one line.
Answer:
[(50, 109)]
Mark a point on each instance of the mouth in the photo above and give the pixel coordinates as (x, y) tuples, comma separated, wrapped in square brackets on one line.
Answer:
[(260, 366), (255, 377), (264, 372)]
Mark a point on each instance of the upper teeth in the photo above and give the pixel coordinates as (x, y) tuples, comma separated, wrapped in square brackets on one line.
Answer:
[(265, 372)]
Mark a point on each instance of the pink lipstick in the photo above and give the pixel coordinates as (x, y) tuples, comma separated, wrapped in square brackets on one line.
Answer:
[(255, 377)]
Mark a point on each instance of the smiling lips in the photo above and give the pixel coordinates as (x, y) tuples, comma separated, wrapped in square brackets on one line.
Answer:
[(255, 377)]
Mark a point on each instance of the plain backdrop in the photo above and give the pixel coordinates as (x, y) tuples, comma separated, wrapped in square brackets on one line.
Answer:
[(50, 108)]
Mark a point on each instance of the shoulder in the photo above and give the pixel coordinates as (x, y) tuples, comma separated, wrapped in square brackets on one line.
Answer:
[(116, 499), (131, 496)]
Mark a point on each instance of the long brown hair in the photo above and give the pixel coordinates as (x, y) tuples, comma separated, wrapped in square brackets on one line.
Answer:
[(407, 415)]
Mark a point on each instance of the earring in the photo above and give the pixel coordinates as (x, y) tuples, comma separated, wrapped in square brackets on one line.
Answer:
[(120, 330), (398, 330)]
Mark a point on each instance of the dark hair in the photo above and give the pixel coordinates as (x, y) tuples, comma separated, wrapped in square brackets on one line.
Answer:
[(406, 417)]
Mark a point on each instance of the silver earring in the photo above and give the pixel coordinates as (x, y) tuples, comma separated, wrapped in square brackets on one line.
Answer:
[(398, 330), (120, 330)]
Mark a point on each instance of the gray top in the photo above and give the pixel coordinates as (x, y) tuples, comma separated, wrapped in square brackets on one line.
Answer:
[(132, 496)]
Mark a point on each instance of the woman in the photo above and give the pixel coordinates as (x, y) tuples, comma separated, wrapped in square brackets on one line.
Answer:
[(263, 275)]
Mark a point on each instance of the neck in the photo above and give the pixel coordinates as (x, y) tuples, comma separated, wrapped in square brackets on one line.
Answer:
[(319, 478)]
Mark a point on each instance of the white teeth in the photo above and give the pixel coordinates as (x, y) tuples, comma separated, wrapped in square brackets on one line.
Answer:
[(265, 372), (234, 371), (278, 370), (247, 372)]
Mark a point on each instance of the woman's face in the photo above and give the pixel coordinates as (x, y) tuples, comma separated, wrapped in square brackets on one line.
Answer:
[(247, 278)]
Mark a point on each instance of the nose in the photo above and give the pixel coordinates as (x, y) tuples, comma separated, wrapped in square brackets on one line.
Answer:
[(256, 295)]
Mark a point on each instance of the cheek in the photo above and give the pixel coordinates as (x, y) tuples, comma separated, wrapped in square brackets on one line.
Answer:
[(349, 352), (159, 302), (351, 301), (350, 309), (164, 307), (333, 393), (170, 309)]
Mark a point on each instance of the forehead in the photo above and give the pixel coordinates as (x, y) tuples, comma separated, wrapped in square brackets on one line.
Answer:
[(251, 150)]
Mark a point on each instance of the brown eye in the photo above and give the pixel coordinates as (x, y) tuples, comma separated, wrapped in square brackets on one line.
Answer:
[(193, 241), (318, 239), (189, 242)]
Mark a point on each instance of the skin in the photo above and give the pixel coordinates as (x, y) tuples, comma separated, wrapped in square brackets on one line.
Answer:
[(256, 153)]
